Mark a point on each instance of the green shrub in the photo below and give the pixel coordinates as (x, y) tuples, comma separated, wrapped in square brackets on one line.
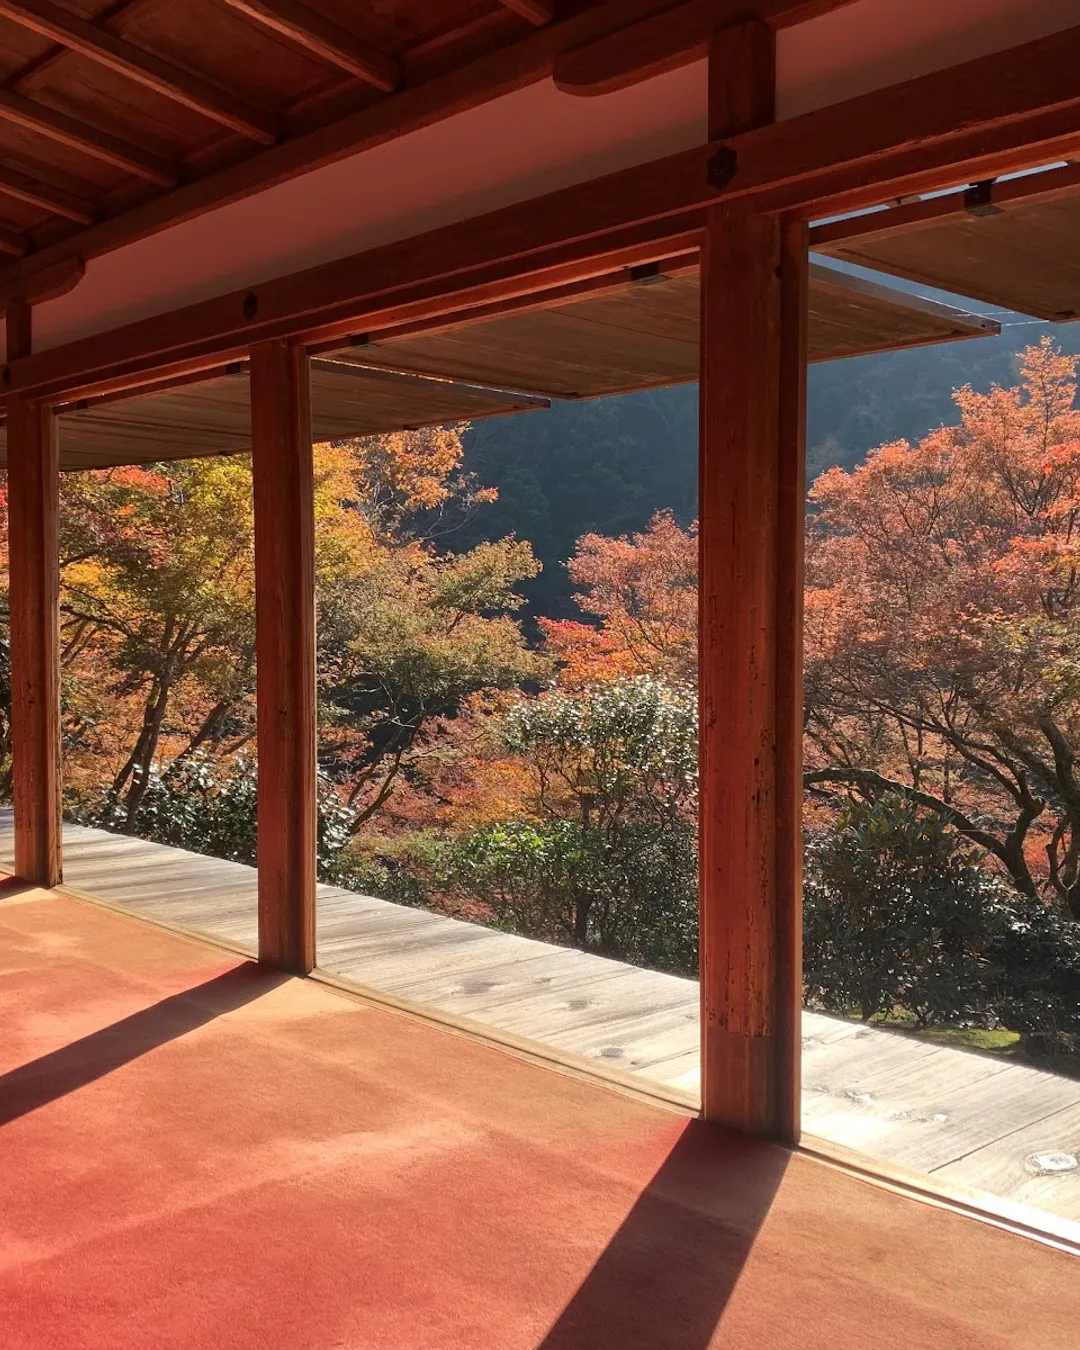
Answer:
[(901, 915), (628, 891)]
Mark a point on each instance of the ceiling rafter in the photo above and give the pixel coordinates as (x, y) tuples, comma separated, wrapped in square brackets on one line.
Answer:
[(145, 68), (324, 38), (77, 135), (538, 12), (22, 188)]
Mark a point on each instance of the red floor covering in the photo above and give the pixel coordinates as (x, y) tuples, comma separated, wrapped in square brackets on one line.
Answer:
[(196, 1153)]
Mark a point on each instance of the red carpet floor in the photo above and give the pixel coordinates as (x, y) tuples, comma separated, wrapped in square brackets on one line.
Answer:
[(196, 1153)]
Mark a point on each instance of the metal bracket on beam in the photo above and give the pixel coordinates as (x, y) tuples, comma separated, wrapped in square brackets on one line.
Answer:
[(646, 274), (979, 199), (722, 168)]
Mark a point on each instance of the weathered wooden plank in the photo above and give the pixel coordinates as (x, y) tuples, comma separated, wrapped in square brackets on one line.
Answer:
[(1038, 1165)]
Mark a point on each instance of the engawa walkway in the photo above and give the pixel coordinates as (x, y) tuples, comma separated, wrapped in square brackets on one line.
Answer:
[(973, 1119)]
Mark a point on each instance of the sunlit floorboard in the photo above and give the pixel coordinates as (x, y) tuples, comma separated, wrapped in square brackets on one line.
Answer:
[(972, 1119)]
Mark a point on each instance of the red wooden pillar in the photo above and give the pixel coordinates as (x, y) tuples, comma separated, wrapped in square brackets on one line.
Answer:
[(34, 603), (753, 358), (285, 652)]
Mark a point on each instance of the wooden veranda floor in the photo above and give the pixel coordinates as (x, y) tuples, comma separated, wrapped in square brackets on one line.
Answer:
[(971, 1119)]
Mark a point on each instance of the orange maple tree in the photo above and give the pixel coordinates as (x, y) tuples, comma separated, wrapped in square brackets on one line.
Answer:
[(943, 625)]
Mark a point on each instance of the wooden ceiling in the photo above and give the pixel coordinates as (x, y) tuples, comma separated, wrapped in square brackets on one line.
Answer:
[(617, 335), (103, 106), (118, 119), (1014, 243), (189, 418)]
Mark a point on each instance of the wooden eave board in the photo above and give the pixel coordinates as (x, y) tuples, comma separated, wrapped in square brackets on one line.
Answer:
[(213, 416), (1024, 257), (642, 335)]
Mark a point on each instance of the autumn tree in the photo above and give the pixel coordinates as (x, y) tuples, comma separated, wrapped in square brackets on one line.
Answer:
[(943, 625), (641, 593), (156, 593), (414, 636)]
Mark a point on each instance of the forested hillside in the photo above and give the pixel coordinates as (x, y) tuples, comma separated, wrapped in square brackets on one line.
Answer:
[(606, 466)]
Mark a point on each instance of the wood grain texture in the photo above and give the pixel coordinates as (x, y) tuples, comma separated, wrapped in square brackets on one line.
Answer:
[(753, 351), (484, 75), (321, 36), (34, 588), (75, 134), (285, 653), (790, 548), (1025, 256), (210, 414), (141, 66), (1011, 110)]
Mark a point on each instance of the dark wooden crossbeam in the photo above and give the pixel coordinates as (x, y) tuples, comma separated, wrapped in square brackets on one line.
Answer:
[(325, 39), (143, 67), (75, 134)]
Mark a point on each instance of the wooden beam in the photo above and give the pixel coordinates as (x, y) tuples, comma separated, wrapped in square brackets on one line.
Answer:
[(16, 245), (324, 38), (440, 273), (152, 72), (666, 41), (281, 459), (933, 211), (55, 281), (19, 187), (753, 352), (33, 478), (538, 12), (76, 135), (1014, 109)]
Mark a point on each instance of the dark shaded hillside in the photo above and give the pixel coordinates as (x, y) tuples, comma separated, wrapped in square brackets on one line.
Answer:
[(608, 464)]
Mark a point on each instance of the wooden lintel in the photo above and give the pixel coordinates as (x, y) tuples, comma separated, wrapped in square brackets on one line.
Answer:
[(34, 599), (1014, 109), (48, 284), (359, 293), (788, 167), (282, 474), (321, 36), (665, 41)]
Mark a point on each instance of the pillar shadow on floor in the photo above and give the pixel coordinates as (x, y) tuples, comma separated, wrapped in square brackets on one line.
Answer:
[(91, 1057), (664, 1279)]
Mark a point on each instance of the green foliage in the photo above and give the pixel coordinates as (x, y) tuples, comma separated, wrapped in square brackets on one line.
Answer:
[(897, 914), (902, 916), (628, 891), (210, 808), (1037, 958), (620, 751), (610, 863)]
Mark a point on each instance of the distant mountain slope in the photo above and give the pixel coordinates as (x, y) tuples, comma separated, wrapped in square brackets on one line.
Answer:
[(608, 464)]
